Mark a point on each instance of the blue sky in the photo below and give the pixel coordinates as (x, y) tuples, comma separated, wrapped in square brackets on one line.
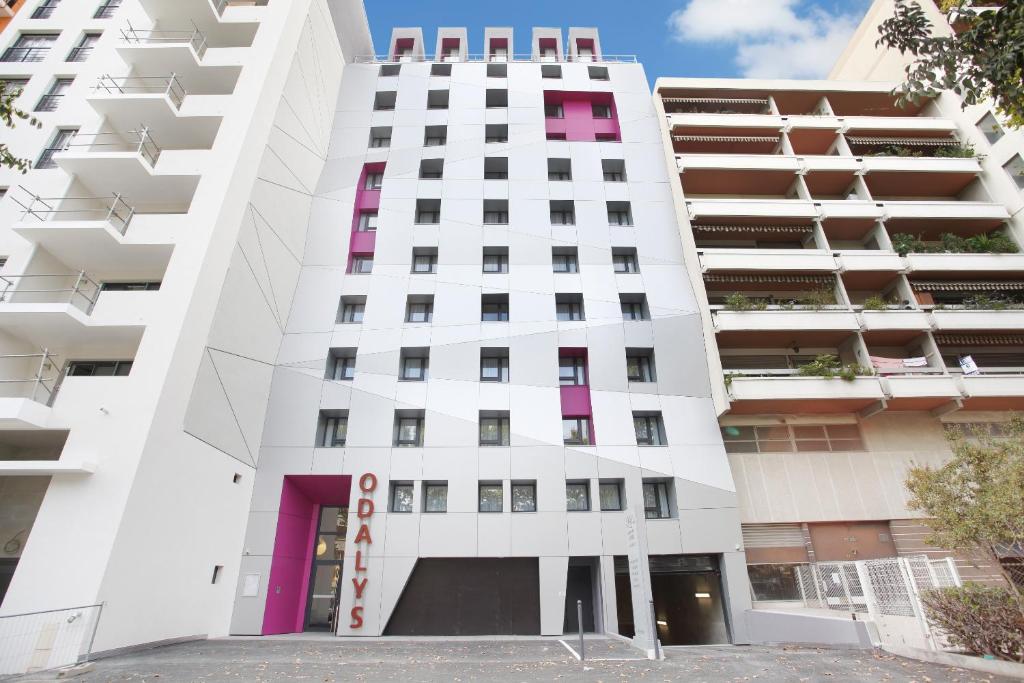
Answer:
[(754, 38)]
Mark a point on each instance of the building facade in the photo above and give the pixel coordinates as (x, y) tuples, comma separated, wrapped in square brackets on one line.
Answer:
[(860, 283)]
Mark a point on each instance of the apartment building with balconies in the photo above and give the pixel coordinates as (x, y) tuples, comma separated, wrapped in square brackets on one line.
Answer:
[(481, 378), (860, 275), (149, 255)]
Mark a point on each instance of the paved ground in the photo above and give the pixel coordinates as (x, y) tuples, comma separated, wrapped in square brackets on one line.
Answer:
[(515, 661)]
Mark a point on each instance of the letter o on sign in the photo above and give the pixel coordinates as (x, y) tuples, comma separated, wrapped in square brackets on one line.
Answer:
[(368, 482)]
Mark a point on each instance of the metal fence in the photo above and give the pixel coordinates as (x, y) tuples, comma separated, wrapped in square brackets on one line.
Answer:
[(38, 641)]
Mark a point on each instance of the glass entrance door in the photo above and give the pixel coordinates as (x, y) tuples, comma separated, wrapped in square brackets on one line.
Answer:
[(325, 572)]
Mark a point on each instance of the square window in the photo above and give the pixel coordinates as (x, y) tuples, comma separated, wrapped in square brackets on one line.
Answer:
[(385, 100), (60, 142), (634, 307), (563, 212), (351, 309), (496, 168), (598, 73), (490, 497), (494, 308), (610, 493), (569, 307), (601, 111), (443, 70), (424, 260), (559, 169), (624, 260), (496, 132), (435, 136), (367, 221), (577, 496), (497, 71), (341, 365), (524, 496), (362, 264), (576, 431), (619, 213), (494, 428), (333, 429), (494, 365), (572, 371), (380, 136), (550, 71), (414, 364), (614, 170), (30, 47), (554, 111), (656, 502), (435, 496), (1015, 168), (419, 309), (401, 497), (496, 98), (408, 429), (437, 99), (565, 260), (640, 365), (495, 260), (374, 181), (649, 428), (431, 169), (390, 70), (428, 211), (83, 50), (991, 128)]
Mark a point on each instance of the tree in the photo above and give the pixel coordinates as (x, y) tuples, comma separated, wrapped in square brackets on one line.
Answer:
[(982, 59), (10, 115), (975, 501)]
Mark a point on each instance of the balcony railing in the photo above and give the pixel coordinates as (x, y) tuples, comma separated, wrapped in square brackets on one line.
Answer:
[(25, 54), (196, 38), (41, 384), (137, 141), (112, 209), (143, 85), (539, 59), (77, 289)]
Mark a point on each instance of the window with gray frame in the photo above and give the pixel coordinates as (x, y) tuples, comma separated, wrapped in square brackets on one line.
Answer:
[(624, 260), (99, 368), (572, 370), (55, 95), (333, 429), (559, 170), (490, 497), (362, 264), (419, 309), (385, 100), (408, 429), (30, 47), (496, 168), (495, 260), (496, 211), (435, 136), (569, 307), (83, 50), (1015, 168), (496, 98), (428, 211), (524, 496), (341, 364), (351, 309), (431, 169), (496, 133), (640, 365), (414, 364), (577, 496), (437, 99), (380, 137), (991, 128), (435, 496), (494, 307), (782, 438), (610, 492), (614, 170), (58, 143), (620, 213), (401, 497), (656, 501), (601, 111), (495, 428), (494, 364), (424, 260), (563, 212), (576, 431), (650, 430), (634, 307), (107, 9), (565, 260)]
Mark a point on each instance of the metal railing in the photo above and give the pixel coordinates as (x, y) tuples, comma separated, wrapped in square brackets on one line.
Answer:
[(77, 289), (40, 387), (112, 209), (137, 141), (143, 85), (80, 54), (495, 59), (39, 641), (25, 54), (194, 37)]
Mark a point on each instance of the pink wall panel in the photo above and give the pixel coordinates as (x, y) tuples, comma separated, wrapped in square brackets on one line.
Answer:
[(578, 123), (576, 401)]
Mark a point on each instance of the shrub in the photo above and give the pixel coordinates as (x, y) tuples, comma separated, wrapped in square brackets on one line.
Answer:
[(875, 303), (818, 299), (828, 365), (738, 302), (960, 151), (904, 244), (980, 619)]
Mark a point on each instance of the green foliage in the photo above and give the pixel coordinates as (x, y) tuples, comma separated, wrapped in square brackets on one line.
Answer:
[(975, 501), (980, 619), (828, 365), (875, 303), (818, 299), (959, 151), (738, 302), (962, 151), (991, 302), (10, 115), (983, 59), (992, 243)]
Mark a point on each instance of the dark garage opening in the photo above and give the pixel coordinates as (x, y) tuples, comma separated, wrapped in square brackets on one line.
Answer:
[(469, 597), (687, 591)]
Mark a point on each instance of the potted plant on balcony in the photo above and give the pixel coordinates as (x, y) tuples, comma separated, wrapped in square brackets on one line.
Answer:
[(828, 365), (875, 303)]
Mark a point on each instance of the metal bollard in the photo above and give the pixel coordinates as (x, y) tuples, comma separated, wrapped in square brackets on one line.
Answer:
[(654, 624), (579, 622)]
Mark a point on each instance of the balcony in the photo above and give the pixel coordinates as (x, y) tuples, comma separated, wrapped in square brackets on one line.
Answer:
[(777, 318), (899, 126), (107, 164), (996, 305), (984, 212), (735, 207), (718, 123), (786, 392), (27, 384), (92, 233), (180, 53), (966, 263), (39, 453), (230, 21), (767, 259), (159, 101), (989, 368), (51, 310)]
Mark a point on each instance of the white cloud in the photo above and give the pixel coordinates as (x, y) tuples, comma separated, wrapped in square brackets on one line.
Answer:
[(773, 38)]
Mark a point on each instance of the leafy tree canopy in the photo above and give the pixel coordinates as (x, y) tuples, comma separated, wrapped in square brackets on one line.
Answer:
[(10, 115)]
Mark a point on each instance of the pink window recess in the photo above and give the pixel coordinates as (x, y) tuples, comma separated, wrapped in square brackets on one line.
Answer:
[(367, 201), (403, 45), (578, 123), (449, 46), (297, 517), (576, 398), (546, 45), (585, 46)]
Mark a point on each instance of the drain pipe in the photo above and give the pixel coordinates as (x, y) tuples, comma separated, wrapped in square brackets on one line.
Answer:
[(579, 622)]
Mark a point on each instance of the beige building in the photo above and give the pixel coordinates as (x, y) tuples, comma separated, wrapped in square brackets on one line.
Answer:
[(831, 232)]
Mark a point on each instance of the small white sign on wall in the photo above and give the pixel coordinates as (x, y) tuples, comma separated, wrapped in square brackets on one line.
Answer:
[(250, 585)]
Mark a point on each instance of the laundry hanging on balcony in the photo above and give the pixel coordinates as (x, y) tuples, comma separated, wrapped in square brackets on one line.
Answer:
[(884, 364)]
